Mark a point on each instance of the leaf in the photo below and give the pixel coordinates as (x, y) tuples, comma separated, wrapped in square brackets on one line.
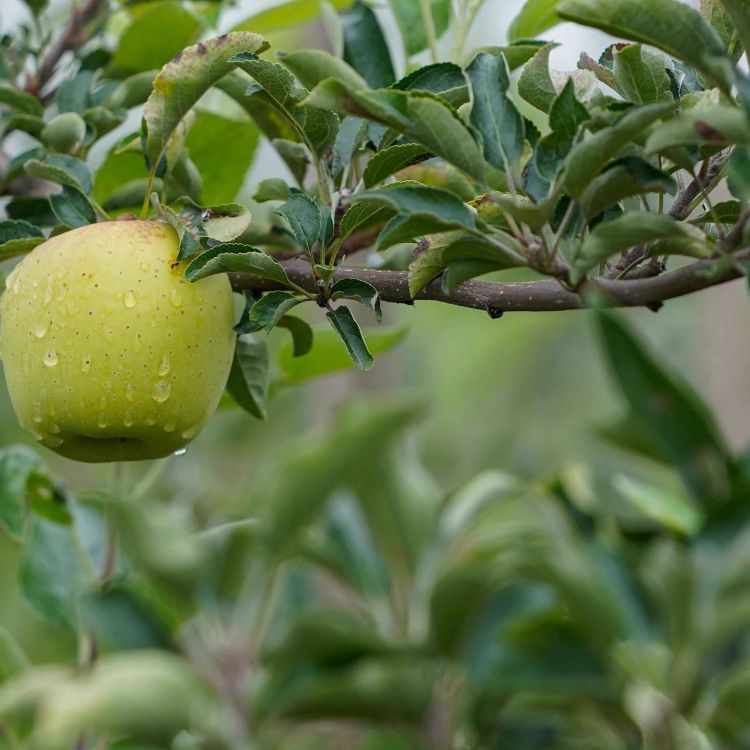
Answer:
[(726, 212), (625, 177), (407, 228), (668, 411), (493, 114), (738, 174), (360, 291), (641, 75), (311, 66), (717, 125), (628, 230), (20, 100), (669, 25), (739, 12), (234, 257), (365, 48), (183, 80), (424, 268), (567, 114), (444, 78), (286, 15), (271, 189), (345, 325), (17, 238), (72, 208), (391, 160), (535, 17), (302, 334), (589, 157), (12, 657), (314, 127), (303, 216), (52, 574), (62, 169), (604, 74), (17, 462), (535, 83), (271, 307), (410, 20), (159, 32), (362, 216), (415, 199), (249, 379)]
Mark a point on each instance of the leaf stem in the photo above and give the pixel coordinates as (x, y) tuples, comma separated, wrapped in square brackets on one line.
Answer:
[(429, 27), (147, 197)]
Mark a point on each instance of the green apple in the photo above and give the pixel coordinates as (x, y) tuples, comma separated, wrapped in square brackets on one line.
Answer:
[(109, 353)]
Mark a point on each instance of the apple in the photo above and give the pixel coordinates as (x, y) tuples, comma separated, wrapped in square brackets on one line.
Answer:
[(109, 353)]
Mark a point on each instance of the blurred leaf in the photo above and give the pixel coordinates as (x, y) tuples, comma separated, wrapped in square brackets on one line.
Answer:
[(131, 92), (12, 657), (641, 75), (285, 15), (424, 268), (18, 238), (391, 160), (271, 189), (181, 82), (726, 212), (668, 411), (249, 378), (411, 22), (604, 74), (738, 173), (535, 17), (303, 216), (365, 48), (17, 462), (589, 157), (314, 127), (302, 334), (20, 100), (72, 208), (673, 511), (535, 83), (667, 24), (62, 169), (53, 574), (346, 326), (311, 66), (715, 13), (739, 12), (444, 78), (360, 291), (716, 125), (159, 31), (493, 114), (327, 356)]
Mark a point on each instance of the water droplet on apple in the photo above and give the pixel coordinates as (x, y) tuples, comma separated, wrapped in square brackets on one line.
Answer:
[(53, 441), (191, 432), (53, 427), (129, 392), (37, 410), (102, 421), (144, 266), (170, 426), (50, 358), (164, 366), (85, 364), (40, 329), (151, 420), (128, 418), (17, 285), (175, 297), (180, 452), (161, 391), (48, 294), (130, 298)]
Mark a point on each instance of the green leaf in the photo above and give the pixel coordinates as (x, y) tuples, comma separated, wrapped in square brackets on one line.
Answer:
[(721, 22), (493, 114), (628, 230), (156, 35), (535, 83), (345, 325), (234, 257), (286, 15), (668, 411), (131, 92), (407, 228), (314, 127), (272, 307), (365, 48), (427, 266), (302, 334), (52, 574), (62, 169), (72, 208), (603, 73), (444, 78), (391, 160), (566, 116), (303, 216), (271, 189), (249, 379), (311, 66), (327, 355), (535, 17), (17, 462), (738, 174), (625, 177), (360, 291), (20, 100), (18, 238), (183, 80), (641, 75), (12, 657), (739, 12), (669, 25), (410, 20), (716, 125), (726, 212), (589, 157)]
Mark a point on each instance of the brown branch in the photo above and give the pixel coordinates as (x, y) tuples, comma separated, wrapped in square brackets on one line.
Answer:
[(70, 37), (497, 298)]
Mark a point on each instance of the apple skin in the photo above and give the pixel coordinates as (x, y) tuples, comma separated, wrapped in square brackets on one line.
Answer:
[(109, 353)]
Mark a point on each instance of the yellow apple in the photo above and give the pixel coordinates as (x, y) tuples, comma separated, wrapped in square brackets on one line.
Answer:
[(109, 353)]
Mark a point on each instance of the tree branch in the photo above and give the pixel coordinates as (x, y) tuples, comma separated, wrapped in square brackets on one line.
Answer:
[(69, 38), (497, 298)]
